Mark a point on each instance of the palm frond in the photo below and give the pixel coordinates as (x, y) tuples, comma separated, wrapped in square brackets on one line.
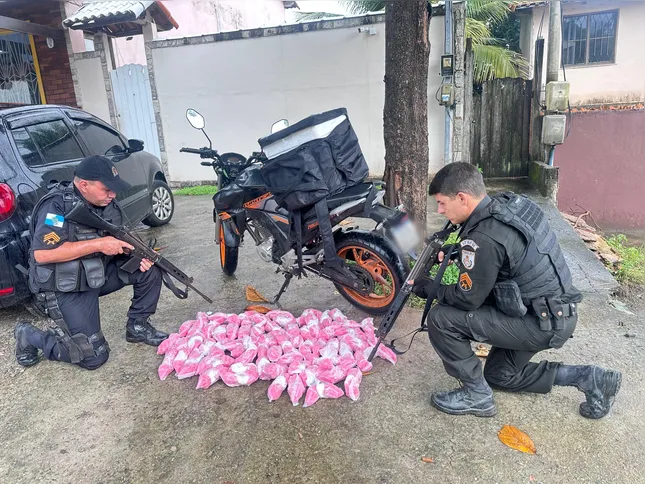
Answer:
[(357, 7), (494, 61), (488, 11), (478, 31), (310, 16)]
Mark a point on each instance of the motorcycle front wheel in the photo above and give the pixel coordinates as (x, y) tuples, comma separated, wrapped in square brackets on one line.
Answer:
[(227, 255), (372, 254)]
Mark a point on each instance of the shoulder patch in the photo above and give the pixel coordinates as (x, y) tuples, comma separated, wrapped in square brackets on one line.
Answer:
[(468, 259), (469, 243), (54, 220), (465, 282), (51, 238)]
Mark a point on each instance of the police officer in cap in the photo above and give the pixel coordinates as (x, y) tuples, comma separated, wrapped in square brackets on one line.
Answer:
[(514, 292), (73, 265)]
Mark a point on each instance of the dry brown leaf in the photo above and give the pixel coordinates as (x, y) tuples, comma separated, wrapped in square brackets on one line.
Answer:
[(427, 460), (482, 351), (516, 439), (254, 296), (365, 373), (258, 309)]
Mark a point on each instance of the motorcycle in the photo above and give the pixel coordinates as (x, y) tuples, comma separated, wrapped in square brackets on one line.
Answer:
[(375, 261)]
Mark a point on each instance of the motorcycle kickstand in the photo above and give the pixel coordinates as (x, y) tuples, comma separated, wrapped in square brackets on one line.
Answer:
[(287, 279)]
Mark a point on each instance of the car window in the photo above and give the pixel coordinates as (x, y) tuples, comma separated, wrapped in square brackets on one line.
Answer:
[(100, 140), (45, 143)]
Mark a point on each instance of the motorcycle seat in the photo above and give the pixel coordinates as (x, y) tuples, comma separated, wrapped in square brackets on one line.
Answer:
[(356, 192)]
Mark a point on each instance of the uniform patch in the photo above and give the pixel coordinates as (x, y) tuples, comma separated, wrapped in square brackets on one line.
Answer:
[(465, 282), (468, 259), (54, 220), (469, 243), (51, 238)]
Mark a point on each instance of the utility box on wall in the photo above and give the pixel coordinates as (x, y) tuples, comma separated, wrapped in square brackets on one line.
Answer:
[(557, 96), (554, 129)]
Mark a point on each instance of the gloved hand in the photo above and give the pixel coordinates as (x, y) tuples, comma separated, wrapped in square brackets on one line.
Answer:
[(420, 286)]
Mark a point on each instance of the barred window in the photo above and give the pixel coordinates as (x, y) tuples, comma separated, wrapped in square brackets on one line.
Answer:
[(589, 38)]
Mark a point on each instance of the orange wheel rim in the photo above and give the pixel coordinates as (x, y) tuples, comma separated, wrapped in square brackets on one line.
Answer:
[(384, 283), (222, 246)]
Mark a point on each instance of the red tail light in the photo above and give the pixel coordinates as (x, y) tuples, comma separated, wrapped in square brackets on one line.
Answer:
[(7, 202), (6, 292)]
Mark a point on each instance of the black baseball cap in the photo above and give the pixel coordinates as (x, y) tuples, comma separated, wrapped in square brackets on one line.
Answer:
[(100, 168)]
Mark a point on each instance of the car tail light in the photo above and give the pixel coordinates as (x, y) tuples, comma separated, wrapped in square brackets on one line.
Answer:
[(7, 202), (6, 292)]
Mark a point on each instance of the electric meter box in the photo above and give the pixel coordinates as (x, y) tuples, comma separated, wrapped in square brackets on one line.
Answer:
[(447, 95), (557, 96), (554, 129)]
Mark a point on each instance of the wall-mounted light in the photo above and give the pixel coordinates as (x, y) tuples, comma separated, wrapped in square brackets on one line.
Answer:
[(369, 30)]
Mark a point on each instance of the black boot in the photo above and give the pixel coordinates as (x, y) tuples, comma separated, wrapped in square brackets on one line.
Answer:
[(474, 398), (600, 386), (28, 340), (141, 331)]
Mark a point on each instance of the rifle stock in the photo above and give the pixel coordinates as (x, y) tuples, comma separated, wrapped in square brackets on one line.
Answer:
[(81, 214), (428, 258)]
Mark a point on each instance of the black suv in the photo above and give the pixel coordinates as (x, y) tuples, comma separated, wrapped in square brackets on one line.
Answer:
[(40, 146)]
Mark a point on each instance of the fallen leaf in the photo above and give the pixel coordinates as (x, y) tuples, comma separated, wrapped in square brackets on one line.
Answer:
[(258, 309), (365, 373), (427, 460), (482, 351), (254, 296), (516, 439)]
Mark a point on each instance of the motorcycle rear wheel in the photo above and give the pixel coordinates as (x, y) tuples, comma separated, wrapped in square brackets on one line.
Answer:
[(227, 255), (371, 253)]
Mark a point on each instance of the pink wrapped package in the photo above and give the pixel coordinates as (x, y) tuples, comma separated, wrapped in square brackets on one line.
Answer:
[(327, 390), (272, 370), (247, 357), (234, 319), (386, 353), (218, 333), (209, 377), (217, 318), (325, 320), (276, 388), (185, 327), (182, 355), (274, 353), (337, 315), (244, 332), (167, 343), (334, 375), (296, 388), (331, 349), (311, 397), (239, 374), (195, 341), (262, 351), (231, 331), (352, 383), (363, 364), (257, 331), (189, 368), (213, 359), (166, 367), (280, 335), (283, 318), (344, 350)]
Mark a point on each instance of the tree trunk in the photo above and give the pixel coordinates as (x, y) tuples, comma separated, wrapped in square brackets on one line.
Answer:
[(405, 115)]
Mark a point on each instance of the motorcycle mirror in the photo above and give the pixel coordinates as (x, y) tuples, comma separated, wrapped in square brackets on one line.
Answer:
[(195, 119), (279, 125)]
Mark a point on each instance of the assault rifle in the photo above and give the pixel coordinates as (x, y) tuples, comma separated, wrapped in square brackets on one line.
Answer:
[(428, 258), (81, 214)]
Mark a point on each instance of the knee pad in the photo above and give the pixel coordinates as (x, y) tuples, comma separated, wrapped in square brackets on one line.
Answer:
[(95, 362)]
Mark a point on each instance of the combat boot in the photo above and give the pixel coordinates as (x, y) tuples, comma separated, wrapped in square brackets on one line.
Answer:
[(474, 398), (28, 340), (141, 331), (599, 385)]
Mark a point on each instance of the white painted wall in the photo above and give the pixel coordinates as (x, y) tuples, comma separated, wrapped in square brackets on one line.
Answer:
[(93, 95), (623, 81), (248, 84)]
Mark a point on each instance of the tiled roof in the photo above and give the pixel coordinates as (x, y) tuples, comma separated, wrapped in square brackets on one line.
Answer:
[(105, 12), (528, 4)]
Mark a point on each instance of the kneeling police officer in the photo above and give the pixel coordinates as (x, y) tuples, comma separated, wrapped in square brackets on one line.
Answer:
[(514, 292), (72, 265)]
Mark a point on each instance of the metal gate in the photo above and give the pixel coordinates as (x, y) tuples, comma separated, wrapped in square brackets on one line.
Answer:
[(133, 99)]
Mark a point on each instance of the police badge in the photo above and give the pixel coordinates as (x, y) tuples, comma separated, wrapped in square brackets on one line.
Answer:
[(468, 259)]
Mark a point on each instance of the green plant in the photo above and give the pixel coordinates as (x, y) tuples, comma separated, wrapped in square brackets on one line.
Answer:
[(631, 269), (198, 190)]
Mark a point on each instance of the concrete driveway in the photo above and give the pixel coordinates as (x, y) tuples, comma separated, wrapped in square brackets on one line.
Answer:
[(121, 424)]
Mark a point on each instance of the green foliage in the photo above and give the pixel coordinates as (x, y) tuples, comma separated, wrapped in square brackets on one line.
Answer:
[(508, 32), (631, 270), (310, 16), (198, 190)]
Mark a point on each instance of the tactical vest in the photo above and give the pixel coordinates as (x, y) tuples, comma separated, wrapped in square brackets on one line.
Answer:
[(542, 271), (76, 275)]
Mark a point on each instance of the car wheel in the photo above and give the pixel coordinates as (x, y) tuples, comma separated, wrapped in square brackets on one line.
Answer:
[(163, 205)]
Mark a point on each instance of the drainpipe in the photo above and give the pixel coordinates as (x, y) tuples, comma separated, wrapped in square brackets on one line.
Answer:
[(447, 142)]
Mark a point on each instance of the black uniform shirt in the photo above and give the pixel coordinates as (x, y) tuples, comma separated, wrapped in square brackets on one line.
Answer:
[(50, 229), (487, 252)]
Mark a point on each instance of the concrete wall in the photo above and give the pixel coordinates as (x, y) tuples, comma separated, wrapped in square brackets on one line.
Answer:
[(622, 81), (602, 169), (249, 83), (93, 94)]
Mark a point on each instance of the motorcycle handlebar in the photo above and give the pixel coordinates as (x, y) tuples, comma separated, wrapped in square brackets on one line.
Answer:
[(191, 150)]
